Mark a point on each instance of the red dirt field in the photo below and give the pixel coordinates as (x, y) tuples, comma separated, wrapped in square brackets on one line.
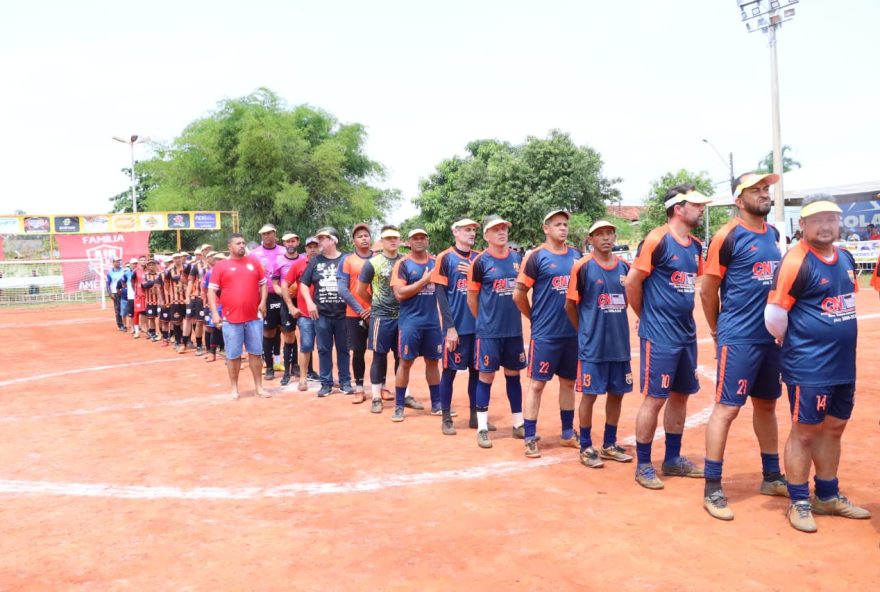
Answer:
[(126, 467)]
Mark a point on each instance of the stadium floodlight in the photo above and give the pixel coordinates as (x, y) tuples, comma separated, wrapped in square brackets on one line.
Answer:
[(767, 16), (134, 139)]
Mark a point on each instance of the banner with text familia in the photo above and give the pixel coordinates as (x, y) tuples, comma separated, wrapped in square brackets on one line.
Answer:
[(100, 250)]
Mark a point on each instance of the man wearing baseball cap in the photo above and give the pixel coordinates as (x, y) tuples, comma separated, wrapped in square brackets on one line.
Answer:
[(111, 284), (269, 254), (296, 309), (660, 288), (290, 241), (357, 311), (742, 257), (811, 310)]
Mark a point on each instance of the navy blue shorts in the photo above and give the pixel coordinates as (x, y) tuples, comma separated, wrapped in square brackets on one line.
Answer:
[(747, 370), (810, 404), (462, 357), (668, 368), (598, 378), (491, 353), (195, 310), (549, 357), (383, 335), (415, 342)]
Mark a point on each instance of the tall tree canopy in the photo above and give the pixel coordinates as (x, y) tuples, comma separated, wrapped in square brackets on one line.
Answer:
[(788, 163), (518, 182), (654, 214), (298, 168)]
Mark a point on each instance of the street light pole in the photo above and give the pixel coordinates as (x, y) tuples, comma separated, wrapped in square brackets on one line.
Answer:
[(727, 162), (131, 142)]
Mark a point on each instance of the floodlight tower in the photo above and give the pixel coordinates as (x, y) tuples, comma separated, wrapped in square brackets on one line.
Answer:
[(767, 16), (134, 139)]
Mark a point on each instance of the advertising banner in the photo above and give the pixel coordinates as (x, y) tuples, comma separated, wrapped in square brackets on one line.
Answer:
[(100, 250), (864, 252), (86, 224)]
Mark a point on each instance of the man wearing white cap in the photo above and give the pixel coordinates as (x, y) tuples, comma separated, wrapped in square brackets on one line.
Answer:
[(289, 312), (296, 309), (660, 289), (742, 257), (357, 311), (812, 311), (174, 282), (269, 254), (553, 347), (491, 280), (457, 321), (596, 305)]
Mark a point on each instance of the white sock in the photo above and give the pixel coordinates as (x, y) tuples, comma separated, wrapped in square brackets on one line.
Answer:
[(482, 420), (517, 419), (377, 391), (407, 392), (276, 359), (137, 329)]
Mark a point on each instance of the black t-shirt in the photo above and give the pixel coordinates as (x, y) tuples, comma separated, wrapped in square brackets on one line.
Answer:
[(321, 273)]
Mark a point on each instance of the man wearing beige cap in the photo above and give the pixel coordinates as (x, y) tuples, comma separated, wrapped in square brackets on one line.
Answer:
[(290, 242), (357, 311), (811, 310), (269, 254), (660, 288), (174, 282)]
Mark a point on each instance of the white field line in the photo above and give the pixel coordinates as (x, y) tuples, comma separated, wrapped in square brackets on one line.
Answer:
[(84, 321), (84, 370)]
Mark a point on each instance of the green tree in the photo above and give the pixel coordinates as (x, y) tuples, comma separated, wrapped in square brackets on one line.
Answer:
[(298, 168), (518, 182), (143, 183), (654, 214), (788, 163)]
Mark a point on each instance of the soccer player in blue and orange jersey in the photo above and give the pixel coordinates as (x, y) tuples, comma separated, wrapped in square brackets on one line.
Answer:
[(742, 257), (660, 289), (596, 305), (812, 311), (419, 322), (457, 321), (553, 347), (491, 280), (357, 312)]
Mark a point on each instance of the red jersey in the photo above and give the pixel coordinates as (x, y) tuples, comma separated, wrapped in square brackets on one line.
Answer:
[(238, 281)]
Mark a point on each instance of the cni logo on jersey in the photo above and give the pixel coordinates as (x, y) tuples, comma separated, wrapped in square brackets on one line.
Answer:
[(560, 283), (683, 281), (762, 271), (612, 303), (461, 285), (840, 308), (504, 286)]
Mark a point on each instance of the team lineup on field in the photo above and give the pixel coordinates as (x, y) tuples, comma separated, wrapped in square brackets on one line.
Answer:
[(777, 322)]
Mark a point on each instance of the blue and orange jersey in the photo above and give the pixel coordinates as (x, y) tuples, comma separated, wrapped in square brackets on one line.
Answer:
[(548, 274), (347, 275), (745, 260), (819, 348), (450, 271), (603, 324), (668, 292), (495, 278), (420, 310)]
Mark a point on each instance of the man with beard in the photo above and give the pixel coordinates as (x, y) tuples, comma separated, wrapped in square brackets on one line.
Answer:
[(289, 312), (660, 289), (269, 254), (357, 312), (742, 257)]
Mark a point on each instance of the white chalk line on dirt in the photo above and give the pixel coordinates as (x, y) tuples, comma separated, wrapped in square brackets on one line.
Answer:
[(84, 370), (83, 321)]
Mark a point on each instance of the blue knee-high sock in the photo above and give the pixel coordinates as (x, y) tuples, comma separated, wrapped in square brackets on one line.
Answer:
[(514, 393), (799, 492), (484, 389), (713, 468), (567, 418), (434, 392), (610, 437), (446, 380), (531, 428), (643, 452), (826, 489), (399, 395), (673, 447), (770, 465), (473, 379), (586, 437)]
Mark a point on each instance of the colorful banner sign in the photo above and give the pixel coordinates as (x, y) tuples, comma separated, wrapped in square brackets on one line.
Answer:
[(864, 252), (100, 250), (142, 221)]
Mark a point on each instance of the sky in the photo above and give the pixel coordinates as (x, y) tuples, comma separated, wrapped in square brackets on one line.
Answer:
[(640, 81)]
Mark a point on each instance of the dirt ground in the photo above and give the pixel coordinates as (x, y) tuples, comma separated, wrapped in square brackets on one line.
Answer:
[(127, 467)]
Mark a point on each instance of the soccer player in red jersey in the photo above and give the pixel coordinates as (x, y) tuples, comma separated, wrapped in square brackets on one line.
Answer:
[(811, 310), (742, 257), (304, 323), (660, 289), (241, 283)]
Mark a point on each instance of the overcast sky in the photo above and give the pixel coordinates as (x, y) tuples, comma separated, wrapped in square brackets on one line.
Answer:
[(641, 81)]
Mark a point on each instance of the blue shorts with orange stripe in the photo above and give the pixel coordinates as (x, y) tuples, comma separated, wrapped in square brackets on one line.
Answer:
[(417, 342), (810, 404), (462, 357), (668, 368), (747, 370), (491, 353), (383, 335), (549, 357), (598, 378)]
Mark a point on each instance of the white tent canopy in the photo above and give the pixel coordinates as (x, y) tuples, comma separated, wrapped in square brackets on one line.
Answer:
[(799, 183)]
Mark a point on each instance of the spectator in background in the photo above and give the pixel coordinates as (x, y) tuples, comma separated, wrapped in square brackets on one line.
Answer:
[(33, 289), (796, 238), (113, 277), (873, 233)]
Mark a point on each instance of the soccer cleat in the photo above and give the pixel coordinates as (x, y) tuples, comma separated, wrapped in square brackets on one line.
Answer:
[(410, 402), (483, 440), (136, 335), (182, 348), (801, 517), (573, 442), (839, 506), (325, 390), (616, 453), (347, 390), (285, 379), (278, 366), (519, 432), (376, 407), (532, 449), (680, 466), (436, 411), (472, 423), (647, 477), (270, 373), (716, 504), (358, 388), (590, 458), (312, 375), (398, 415), (447, 428), (165, 343), (776, 487), (235, 396), (200, 351)]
